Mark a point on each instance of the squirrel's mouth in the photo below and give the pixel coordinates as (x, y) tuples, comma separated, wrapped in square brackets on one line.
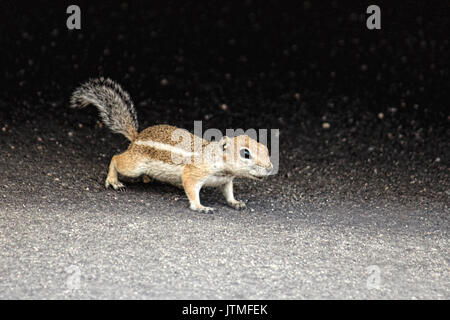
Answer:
[(257, 178)]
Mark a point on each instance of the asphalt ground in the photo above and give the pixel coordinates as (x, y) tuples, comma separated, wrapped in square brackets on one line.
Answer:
[(358, 210)]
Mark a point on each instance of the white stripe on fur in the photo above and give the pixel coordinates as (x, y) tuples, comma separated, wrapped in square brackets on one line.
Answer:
[(165, 147)]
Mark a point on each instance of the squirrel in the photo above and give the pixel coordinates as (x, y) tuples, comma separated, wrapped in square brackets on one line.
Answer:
[(158, 153)]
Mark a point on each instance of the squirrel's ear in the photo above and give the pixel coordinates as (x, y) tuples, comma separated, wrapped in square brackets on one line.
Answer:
[(224, 142)]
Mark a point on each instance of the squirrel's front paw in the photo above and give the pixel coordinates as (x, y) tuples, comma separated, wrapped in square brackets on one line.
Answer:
[(239, 205), (202, 208)]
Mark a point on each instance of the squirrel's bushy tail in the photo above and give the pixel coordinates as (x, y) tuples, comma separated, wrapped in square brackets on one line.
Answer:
[(113, 103)]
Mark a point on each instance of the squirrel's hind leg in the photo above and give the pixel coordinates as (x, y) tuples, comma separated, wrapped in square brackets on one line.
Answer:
[(123, 164), (112, 178)]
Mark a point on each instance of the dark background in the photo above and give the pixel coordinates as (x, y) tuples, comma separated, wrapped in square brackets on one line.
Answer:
[(253, 56), (379, 171)]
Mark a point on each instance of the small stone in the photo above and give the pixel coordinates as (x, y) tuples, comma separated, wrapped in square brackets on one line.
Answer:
[(393, 110), (326, 125), (381, 115), (224, 107)]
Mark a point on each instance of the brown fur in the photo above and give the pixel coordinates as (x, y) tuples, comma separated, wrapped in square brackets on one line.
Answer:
[(163, 133)]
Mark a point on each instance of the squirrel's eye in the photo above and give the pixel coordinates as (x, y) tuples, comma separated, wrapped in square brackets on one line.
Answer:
[(245, 153)]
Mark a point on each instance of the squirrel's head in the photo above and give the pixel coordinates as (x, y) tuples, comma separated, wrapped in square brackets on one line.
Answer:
[(245, 157)]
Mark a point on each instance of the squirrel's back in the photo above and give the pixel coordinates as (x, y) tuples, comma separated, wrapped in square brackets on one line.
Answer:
[(168, 143)]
